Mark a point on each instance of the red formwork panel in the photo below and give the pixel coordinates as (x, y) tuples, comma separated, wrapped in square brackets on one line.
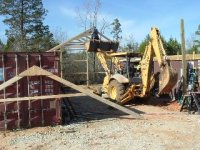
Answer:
[(30, 113), (36, 118), (10, 122)]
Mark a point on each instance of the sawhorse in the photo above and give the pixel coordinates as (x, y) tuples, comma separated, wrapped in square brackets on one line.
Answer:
[(191, 101)]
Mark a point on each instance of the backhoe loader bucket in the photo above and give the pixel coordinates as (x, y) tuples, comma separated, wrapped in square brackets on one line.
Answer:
[(168, 79), (96, 45)]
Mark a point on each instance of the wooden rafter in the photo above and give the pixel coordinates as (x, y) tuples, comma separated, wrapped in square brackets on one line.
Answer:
[(41, 97), (82, 37), (179, 57), (70, 40)]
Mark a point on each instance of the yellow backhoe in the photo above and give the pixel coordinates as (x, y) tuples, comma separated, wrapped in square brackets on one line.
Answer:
[(131, 75)]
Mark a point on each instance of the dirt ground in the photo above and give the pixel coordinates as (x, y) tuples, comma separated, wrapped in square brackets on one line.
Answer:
[(98, 126)]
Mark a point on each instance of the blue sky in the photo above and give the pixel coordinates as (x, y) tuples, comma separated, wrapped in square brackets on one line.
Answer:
[(136, 16)]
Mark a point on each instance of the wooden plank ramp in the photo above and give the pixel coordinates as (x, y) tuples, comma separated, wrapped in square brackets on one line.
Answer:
[(37, 71), (99, 98)]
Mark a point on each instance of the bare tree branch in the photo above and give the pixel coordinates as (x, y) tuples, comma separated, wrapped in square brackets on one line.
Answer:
[(60, 35), (87, 14), (105, 25)]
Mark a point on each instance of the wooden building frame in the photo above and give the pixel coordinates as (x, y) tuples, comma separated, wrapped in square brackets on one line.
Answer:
[(179, 57), (76, 43)]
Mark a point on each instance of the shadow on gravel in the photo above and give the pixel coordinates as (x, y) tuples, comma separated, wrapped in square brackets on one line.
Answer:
[(88, 109), (163, 100)]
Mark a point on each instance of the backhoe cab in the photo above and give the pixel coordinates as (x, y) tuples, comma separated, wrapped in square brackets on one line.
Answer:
[(131, 75)]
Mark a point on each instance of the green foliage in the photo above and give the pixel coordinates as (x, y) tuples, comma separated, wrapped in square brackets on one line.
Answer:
[(131, 45), (143, 44), (10, 45), (116, 31), (173, 47), (194, 48), (42, 39), (196, 45), (25, 21), (197, 42), (164, 42), (1, 46)]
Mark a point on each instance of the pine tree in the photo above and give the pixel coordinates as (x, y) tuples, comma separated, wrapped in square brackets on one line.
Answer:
[(25, 21), (1, 46), (173, 47), (197, 41), (10, 45), (116, 30), (194, 49), (143, 44)]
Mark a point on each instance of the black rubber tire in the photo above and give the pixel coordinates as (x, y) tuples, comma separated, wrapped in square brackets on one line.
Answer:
[(120, 88)]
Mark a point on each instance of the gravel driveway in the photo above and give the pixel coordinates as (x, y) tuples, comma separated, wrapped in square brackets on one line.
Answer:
[(109, 129)]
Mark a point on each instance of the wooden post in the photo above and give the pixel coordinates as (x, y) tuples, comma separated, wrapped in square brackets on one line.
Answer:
[(41, 92), (94, 67), (87, 70), (4, 93), (29, 102), (183, 56), (17, 88), (193, 54), (61, 61)]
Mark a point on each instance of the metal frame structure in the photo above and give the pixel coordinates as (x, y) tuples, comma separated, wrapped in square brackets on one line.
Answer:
[(77, 44)]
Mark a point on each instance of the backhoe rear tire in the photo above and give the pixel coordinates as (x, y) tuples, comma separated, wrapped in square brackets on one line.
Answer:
[(116, 90)]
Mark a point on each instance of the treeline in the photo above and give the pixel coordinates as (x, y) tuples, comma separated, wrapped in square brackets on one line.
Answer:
[(172, 46), (26, 30)]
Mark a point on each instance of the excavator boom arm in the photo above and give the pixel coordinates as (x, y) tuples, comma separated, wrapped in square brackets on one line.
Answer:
[(168, 76)]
